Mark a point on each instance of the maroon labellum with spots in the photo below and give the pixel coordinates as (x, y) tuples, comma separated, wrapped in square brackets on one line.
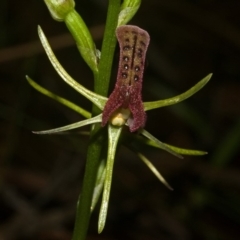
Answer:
[(125, 102)]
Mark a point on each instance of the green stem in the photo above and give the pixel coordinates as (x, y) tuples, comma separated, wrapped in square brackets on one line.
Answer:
[(102, 79), (108, 48)]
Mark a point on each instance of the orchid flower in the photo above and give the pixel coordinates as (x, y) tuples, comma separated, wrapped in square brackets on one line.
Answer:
[(119, 110)]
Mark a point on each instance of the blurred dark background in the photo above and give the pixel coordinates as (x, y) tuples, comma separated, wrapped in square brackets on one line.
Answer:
[(41, 176)]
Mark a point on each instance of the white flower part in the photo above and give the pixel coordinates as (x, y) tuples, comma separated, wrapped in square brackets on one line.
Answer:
[(120, 117)]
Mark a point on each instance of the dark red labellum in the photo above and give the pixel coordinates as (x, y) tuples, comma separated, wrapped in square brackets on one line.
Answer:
[(133, 42)]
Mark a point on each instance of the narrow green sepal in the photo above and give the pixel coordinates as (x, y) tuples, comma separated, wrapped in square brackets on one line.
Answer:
[(96, 119), (159, 143), (128, 10), (59, 99), (99, 183), (113, 137), (178, 98), (96, 99), (154, 171), (182, 151), (185, 151)]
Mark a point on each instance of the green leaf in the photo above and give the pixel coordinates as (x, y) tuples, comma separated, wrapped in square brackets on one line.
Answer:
[(178, 98)]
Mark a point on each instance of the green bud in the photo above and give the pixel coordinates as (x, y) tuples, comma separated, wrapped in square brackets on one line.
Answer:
[(128, 10), (59, 9), (83, 38)]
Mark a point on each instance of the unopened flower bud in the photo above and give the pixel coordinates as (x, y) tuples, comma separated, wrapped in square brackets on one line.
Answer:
[(59, 9)]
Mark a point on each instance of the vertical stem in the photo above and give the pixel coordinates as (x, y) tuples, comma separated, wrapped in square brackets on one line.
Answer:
[(108, 48), (101, 85)]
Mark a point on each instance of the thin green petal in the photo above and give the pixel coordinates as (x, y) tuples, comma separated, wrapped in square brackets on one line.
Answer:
[(99, 183), (96, 119), (159, 143), (179, 98), (185, 151), (154, 170), (63, 101), (182, 151), (96, 99), (113, 136)]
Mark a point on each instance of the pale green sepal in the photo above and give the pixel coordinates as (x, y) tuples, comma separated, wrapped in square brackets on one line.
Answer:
[(128, 10), (182, 151), (96, 119), (99, 183), (113, 137), (154, 170), (179, 98), (59, 99), (96, 99), (185, 151), (159, 143)]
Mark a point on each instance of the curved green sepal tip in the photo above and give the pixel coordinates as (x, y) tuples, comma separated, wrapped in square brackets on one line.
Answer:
[(178, 98), (185, 151), (96, 119), (159, 143), (154, 171), (59, 99), (96, 99)]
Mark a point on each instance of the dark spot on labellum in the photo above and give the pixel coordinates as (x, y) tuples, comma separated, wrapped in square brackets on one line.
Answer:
[(142, 43), (124, 75), (126, 48), (139, 52), (137, 68), (134, 32), (136, 77), (127, 39)]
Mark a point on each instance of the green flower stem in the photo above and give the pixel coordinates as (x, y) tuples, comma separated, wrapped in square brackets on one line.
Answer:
[(101, 86), (83, 212), (108, 47)]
